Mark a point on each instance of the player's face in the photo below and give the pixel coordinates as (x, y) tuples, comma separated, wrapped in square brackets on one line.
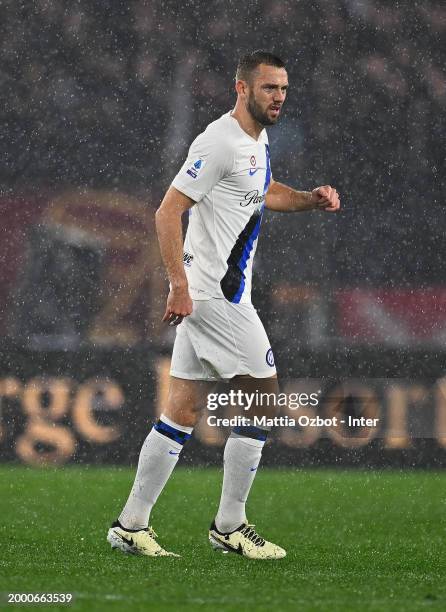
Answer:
[(267, 93)]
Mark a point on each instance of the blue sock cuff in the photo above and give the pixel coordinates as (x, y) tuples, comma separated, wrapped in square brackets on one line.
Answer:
[(181, 437), (250, 431)]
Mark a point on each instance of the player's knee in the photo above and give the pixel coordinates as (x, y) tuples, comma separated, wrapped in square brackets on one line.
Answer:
[(185, 417)]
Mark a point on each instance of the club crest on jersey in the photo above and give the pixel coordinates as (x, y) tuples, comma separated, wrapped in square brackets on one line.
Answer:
[(253, 160), (195, 169)]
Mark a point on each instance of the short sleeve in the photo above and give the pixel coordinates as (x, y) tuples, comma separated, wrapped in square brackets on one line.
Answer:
[(209, 160)]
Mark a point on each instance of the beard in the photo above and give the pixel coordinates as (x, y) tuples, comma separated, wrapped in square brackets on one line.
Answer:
[(258, 113)]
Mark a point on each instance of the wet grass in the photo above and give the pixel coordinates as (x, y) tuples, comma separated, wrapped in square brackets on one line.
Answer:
[(356, 540)]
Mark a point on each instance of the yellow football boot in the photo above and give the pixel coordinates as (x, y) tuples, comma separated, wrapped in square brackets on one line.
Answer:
[(140, 542), (245, 541)]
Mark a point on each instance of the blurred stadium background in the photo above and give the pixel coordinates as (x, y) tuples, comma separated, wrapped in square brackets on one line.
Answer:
[(100, 100)]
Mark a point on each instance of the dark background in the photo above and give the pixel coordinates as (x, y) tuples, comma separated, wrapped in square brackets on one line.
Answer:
[(99, 101)]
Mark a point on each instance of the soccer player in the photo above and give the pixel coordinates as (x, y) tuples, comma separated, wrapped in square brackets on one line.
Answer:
[(225, 184)]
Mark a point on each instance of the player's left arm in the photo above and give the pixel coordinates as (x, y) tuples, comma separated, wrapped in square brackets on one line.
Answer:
[(282, 198)]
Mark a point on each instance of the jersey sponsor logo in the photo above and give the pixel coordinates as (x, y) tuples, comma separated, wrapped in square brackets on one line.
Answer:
[(188, 259), (194, 170), (270, 357), (252, 197), (252, 171)]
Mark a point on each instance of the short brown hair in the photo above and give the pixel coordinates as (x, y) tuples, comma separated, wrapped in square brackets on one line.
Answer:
[(248, 63)]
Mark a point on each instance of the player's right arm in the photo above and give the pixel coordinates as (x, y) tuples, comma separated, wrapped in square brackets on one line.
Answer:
[(170, 237), (210, 157)]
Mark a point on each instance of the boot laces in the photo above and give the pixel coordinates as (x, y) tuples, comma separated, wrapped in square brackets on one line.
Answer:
[(151, 532), (249, 532)]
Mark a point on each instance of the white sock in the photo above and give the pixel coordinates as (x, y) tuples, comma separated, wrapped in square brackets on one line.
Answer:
[(157, 459), (241, 459)]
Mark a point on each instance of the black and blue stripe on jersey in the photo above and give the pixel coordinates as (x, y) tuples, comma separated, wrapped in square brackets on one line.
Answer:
[(233, 282)]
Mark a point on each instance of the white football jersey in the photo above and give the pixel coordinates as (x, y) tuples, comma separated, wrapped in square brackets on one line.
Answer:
[(227, 174)]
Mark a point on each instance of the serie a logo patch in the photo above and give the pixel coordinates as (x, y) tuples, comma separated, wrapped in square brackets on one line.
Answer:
[(195, 169)]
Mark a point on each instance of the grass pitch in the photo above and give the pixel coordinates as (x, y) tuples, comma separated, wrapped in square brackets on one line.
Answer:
[(356, 540)]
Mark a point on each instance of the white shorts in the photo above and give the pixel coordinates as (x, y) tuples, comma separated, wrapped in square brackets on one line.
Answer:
[(220, 340)]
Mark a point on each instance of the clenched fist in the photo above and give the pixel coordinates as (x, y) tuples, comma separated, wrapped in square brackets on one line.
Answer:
[(326, 198)]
